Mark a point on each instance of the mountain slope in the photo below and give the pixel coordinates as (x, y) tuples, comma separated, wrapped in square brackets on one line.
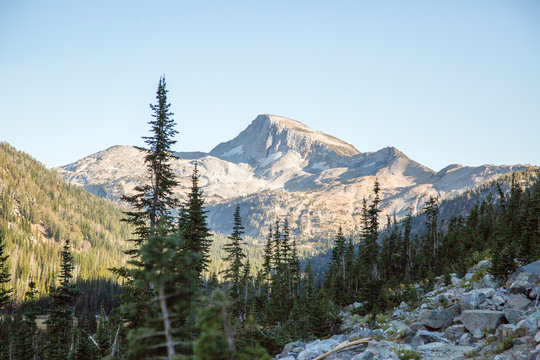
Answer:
[(280, 167), (39, 210)]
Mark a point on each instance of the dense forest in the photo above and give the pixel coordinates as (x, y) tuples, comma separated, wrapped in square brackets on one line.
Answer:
[(172, 301), (38, 211)]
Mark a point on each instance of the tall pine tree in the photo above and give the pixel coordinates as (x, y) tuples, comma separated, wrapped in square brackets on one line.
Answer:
[(193, 224), (235, 255), (5, 290), (62, 306)]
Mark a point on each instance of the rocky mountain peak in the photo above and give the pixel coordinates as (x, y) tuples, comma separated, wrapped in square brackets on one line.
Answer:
[(270, 137)]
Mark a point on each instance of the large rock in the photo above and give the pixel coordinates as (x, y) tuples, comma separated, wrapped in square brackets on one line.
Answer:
[(366, 355), (472, 299), (476, 321), (435, 319), (287, 349), (522, 284), (519, 302), (382, 349), (316, 348), (532, 268), (425, 337), (441, 350), (513, 315)]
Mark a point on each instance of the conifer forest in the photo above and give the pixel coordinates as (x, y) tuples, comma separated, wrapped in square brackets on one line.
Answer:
[(84, 278)]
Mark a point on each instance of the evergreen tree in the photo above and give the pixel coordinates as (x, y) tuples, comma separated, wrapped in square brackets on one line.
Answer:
[(235, 254), (267, 264), (84, 350), (5, 290), (25, 346), (103, 335), (407, 244), (368, 252), (431, 245), (294, 268), (60, 321), (154, 201), (335, 277), (162, 277), (169, 272), (193, 224)]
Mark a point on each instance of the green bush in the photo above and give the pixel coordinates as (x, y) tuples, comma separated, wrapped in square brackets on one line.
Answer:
[(405, 354)]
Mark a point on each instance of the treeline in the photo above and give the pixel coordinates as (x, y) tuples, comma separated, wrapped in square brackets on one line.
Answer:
[(381, 274)]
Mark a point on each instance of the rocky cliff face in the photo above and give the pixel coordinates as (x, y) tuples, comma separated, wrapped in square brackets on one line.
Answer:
[(280, 167), (473, 317)]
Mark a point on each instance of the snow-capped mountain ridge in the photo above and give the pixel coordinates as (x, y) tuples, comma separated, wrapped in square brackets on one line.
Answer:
[(278, 166)]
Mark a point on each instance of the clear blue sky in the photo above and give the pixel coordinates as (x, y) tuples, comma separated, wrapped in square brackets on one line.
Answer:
[(443, 81)]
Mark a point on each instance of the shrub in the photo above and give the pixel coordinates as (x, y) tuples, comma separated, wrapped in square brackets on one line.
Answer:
[(405, 354)]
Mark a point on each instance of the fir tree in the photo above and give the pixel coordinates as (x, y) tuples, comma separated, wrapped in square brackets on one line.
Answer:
[(162, 275), (235, 254), (154, 201), (294, 266), (267, 264), (84, 350), (431, 209), (5, 290), (25, 346), (103, 335), (335, 277), (169, 272), (60, 321), (193, 224)]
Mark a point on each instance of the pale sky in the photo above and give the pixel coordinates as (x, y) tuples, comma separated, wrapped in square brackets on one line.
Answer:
[(443, 81)]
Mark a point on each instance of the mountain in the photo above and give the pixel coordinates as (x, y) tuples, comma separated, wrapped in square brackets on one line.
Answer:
[(280, 167), (39, 210)]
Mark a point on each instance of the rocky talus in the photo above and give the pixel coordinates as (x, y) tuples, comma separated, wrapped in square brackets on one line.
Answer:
[(469, 318)]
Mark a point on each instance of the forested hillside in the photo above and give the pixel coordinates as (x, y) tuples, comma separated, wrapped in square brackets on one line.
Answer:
[(39, 210)]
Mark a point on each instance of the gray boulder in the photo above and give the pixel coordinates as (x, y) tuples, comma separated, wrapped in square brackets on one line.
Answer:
[(522, 284), (489, 281), (366, 355), (425, 337), (435, 319), (532, 268), (288, 347), (441, 350), (513, 315), (472, 299), (454, 332), (519, 302), (401, 328), (476, 321), (382, 349), (316, 348)]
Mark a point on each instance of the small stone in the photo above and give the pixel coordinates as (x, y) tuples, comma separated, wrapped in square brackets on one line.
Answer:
[(465, 339), (506, 330), (454, 332), (425, 337), (537, 337)]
